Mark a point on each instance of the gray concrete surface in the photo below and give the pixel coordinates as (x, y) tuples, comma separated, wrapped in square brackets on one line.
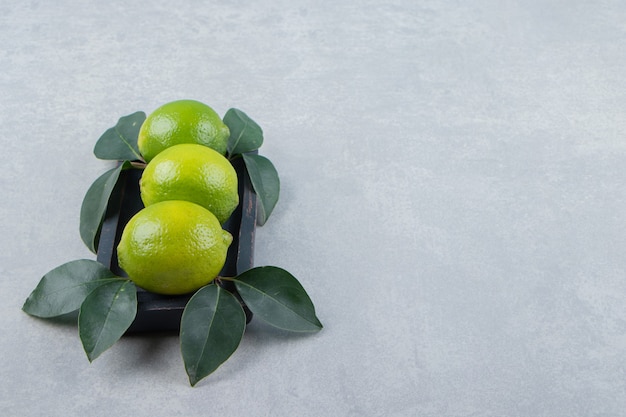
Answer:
[(452, 199)]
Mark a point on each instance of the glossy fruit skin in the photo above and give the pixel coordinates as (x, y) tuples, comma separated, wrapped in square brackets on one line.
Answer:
[(192, 173), (173, 247), (182, 121)]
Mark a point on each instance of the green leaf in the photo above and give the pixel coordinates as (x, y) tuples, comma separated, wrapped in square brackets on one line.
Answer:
[(120, 142), (107, 312), (277, 297), (265, 182), (245, 134), (63, 289), (95, 204), (211, 328)]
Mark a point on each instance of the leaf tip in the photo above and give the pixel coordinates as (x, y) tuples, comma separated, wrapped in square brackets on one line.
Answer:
[(26, 308), (91, 357), (319, 325), (26, 302), (193, 376)]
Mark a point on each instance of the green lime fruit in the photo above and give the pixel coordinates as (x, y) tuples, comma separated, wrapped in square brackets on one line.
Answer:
[(173, 247), (182, 121), (192, 173)]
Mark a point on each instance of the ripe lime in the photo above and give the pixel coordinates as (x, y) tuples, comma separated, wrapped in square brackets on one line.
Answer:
[(173, 247), (182, 121), (192, 173)]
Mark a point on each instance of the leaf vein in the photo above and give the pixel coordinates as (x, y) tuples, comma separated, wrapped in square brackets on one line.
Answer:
[(264, 294), (127, 143), (208, 334)]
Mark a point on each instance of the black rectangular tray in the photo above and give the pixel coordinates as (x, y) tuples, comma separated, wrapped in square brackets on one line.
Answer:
[(157, 312)]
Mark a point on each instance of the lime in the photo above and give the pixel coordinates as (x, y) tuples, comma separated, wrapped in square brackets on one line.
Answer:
[(182, 121), (192, 173), (173, 247)]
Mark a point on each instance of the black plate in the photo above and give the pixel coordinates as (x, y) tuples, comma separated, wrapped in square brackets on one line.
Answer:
[(162, 312)]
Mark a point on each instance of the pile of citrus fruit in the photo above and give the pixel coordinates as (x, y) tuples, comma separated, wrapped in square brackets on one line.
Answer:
[(176, 244)]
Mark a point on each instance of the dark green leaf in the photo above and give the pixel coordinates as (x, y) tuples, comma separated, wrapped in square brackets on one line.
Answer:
[(63, 289), (107, 312), (120, 142), (245, 134), (95, 204), (211, 328), (265, 182), (277, 297)]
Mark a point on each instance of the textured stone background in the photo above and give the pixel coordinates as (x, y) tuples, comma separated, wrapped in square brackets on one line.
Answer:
[(452, 199)]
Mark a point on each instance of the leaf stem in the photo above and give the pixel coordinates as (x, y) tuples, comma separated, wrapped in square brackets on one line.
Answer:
[(218, 280), (232, 157), (138, 164)]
